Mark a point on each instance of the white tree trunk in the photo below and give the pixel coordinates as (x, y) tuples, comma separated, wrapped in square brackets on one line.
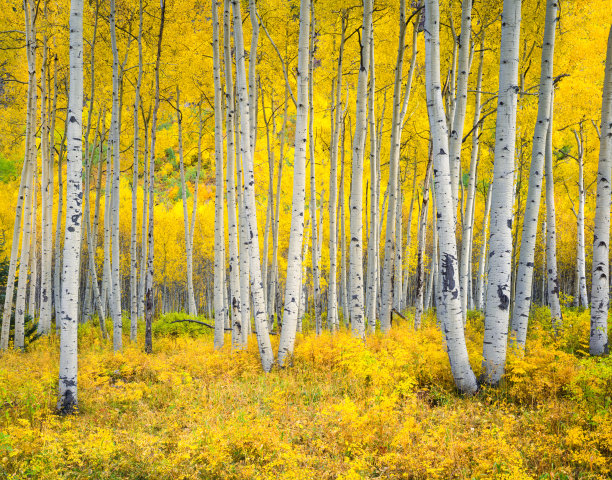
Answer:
[(356, 199), (232, 223), (449, 289), (219, 284), (551, 230), (498, 282), (115, 306), (421, 238), (463, 70), (600, 298), (261, 323), (483, 253), (468, 219), (332, 293), (582, 297), (68, 400), (524, 279), (133, 252), (294, 255)]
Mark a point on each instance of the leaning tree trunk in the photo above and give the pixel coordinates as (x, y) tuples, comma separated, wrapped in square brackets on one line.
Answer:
[(551, 230), (498, 282), (294, 255), (219, 284), (600, 297), (524, 278), (68, 400), (450, 305), (356, 200)]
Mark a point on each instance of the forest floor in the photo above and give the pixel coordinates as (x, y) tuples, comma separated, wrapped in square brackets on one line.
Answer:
[(386, 409)]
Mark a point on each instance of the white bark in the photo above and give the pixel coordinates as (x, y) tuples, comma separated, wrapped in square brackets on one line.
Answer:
[(449, 289), (498, 282), (463, 70), (294, 255), (483, 253), (524, 279), (68, 400), (219, 284), (115, 306), (600, 298), (261, 323), (468, 219), (421, 238), (133, 253), (356, 299), (332, 294), (582, 297), (551, 231)]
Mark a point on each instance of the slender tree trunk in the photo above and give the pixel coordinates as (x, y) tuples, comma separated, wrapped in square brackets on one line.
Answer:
[(133, 251), (115, 296), (343, 273), (33, 248), (468, 219), (582, 297), (68, 399), (57, 281), (332, 295), (449, 305), (498, 282), (551, 230), (356, 224), (421, 238), (480, 293), (261, 323), (219, 217), (150, 235), (293, 282), (524, 278)]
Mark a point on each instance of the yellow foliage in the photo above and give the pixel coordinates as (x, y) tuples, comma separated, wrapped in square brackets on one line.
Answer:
[(346, 409)]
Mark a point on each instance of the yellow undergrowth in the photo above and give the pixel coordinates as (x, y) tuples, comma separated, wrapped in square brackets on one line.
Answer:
[(344, 409)]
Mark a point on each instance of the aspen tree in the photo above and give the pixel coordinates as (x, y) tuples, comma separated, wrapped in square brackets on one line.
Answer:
[(232, 225), (600, 297), (356, 204), (151, 231), (293, 282), (551, 228), (421, 238), (133, 253), (500, 239), (68, 399), (249, 208), (468, 219), (316, 232), (115, 278), (483, 253), (582, 297), (524, 279), (219, 220), (332, 294), (449, 304), (462, 69)]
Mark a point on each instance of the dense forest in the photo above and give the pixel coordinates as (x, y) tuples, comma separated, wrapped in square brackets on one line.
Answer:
[(301, 239)]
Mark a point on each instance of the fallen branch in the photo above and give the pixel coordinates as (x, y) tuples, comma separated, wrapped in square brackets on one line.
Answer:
[(191, 320), (398, 314)]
